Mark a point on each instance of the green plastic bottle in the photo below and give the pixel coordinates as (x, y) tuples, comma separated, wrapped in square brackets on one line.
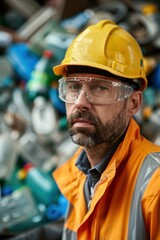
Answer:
[(42, 185), (42, 76)]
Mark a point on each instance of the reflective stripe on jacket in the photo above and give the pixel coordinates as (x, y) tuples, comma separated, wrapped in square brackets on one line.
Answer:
[(126, 201)]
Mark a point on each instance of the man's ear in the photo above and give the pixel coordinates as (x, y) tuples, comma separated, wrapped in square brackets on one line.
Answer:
[(135, 102)]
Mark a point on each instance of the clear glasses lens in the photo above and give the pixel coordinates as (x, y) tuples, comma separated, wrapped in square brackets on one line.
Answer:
[(97, 91)]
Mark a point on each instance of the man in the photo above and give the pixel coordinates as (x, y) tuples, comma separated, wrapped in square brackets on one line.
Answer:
[(112, 183)]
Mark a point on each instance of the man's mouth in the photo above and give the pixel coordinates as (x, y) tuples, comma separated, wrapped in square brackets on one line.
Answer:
[(82, 122)]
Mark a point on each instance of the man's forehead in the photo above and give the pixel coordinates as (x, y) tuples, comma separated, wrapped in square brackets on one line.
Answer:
[(91, 76)]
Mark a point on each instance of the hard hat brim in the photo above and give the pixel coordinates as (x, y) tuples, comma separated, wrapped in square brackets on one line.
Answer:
[(61, 70)]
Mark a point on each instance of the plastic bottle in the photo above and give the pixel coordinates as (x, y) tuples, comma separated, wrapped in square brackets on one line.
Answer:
[(41, 76), (44, 117), (22, 59), (46, 122), (19, 211), (32, 151), (8, 156), (42, 185)]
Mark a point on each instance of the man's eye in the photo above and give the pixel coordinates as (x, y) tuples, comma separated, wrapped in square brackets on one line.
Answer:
[(73, 87), (100, 88)]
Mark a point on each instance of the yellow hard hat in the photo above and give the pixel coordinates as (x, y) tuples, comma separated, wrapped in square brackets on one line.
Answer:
[(108, 47)]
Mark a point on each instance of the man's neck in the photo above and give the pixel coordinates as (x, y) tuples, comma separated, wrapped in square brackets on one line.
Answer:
[(96, 154)]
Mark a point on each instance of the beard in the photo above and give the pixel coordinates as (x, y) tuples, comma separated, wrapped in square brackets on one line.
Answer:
[(107, 133)]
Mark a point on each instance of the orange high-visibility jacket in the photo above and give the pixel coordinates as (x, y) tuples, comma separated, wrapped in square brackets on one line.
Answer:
[(126, 201)]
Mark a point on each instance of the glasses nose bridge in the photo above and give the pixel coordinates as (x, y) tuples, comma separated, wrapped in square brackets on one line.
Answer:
[(84, 86), (83, 93)]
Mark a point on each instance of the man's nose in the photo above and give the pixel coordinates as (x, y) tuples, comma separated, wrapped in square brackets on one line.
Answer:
[(82, 98)]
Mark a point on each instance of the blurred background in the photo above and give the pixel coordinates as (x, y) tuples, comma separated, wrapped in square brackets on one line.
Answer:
[(34, 141)]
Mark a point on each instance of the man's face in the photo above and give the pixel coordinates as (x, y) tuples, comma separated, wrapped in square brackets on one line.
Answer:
[(90, 124)]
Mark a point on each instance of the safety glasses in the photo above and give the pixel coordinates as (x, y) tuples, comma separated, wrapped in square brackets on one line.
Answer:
[(98, 91)]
